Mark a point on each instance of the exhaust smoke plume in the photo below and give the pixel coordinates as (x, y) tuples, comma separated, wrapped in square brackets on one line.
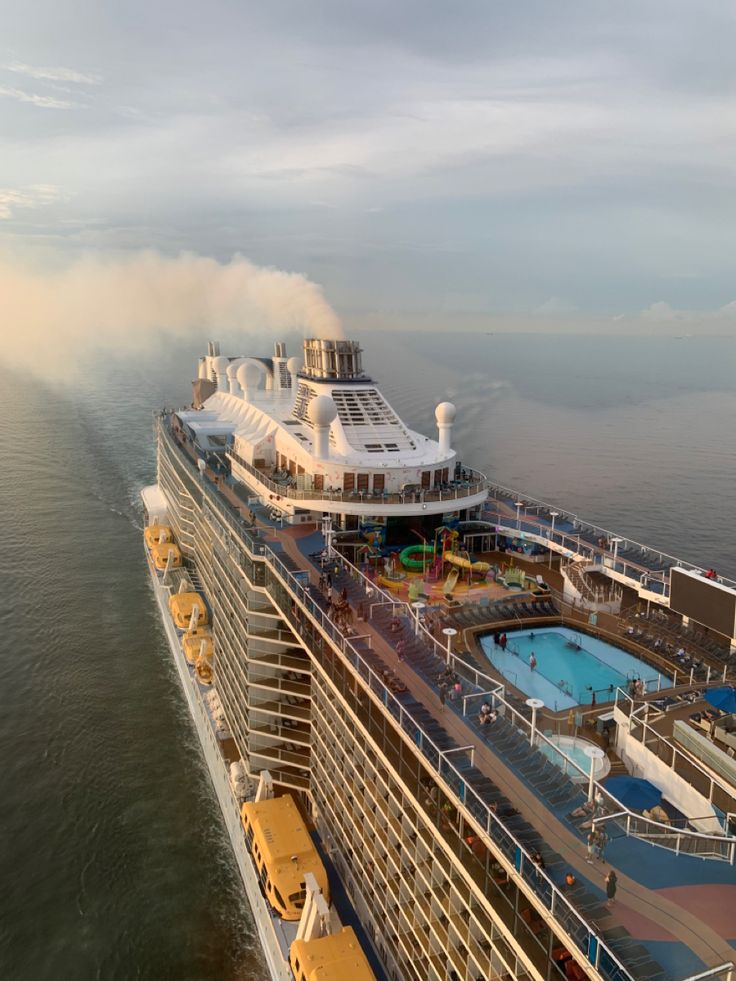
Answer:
[(126, 303)]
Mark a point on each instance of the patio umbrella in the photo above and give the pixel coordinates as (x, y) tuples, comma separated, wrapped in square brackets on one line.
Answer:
[(633, 792), (722, 698)]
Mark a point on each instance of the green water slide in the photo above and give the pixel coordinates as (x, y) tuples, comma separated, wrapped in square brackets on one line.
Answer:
[(407, 556)]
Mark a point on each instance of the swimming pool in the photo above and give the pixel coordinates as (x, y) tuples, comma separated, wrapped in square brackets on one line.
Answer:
[(573, 747), (570, 666)]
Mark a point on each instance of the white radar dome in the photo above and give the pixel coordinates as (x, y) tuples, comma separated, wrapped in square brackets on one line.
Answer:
[(445, 414), (322, 410), (220, 365), (232, 368), (294, 365), (248, 375)]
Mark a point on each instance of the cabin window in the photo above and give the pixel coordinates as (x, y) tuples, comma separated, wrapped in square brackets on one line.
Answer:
[(426, 477), (292, 468), (300, 470), (445, 475), (280, 901), (318, 481), (363, 481), (348, 482), (379, 483)]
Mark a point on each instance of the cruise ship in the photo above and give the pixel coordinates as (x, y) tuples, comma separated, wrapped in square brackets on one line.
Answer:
[(454, 732)]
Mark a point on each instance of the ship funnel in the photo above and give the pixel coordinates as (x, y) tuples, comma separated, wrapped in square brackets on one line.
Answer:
[(445, 415), (332, 360), (322, 412)]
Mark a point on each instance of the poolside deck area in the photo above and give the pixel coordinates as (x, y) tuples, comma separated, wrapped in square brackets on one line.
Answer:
[(670, 910)]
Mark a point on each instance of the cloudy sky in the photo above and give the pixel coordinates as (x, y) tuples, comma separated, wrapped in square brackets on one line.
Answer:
[(430, 164)]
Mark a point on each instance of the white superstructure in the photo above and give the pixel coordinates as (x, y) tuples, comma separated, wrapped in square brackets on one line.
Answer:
[(319, 436)]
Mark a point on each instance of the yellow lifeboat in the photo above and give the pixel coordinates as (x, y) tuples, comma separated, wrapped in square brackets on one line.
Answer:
[(181, 607), (192, 641), (160, 554), (158, 535), (203, 669)]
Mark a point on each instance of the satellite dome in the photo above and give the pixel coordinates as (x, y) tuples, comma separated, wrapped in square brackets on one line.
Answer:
[(220, 365), (294, 365), (248, 375), (445, 414), (232, 368), (322, 410)]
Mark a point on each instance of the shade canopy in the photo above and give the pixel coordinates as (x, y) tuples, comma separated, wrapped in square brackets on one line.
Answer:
[(723, 698), (634, 792)]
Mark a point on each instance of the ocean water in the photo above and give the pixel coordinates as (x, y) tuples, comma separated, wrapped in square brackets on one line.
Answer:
[(114, 863)]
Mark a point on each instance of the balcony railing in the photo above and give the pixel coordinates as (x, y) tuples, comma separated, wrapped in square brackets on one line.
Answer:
[(455, 490), (542, 523)]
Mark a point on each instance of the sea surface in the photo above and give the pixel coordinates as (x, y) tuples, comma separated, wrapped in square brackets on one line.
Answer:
[(113, 860)]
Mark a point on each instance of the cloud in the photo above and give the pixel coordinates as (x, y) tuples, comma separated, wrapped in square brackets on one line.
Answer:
[(33, 196), (42, 101), (125, 302), (661, 312), (55, 74), (555, 305)]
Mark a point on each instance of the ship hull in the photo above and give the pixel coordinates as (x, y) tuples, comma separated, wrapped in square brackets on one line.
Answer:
[(266, 924)]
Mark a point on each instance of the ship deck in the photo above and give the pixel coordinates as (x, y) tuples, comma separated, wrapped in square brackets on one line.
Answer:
[(673, 911)]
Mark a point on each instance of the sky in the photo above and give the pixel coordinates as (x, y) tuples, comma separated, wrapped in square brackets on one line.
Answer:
[(468, 165)]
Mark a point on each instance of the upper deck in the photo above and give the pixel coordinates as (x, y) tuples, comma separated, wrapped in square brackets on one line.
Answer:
[(495, 787)]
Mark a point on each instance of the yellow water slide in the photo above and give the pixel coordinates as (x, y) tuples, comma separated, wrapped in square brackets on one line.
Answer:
[(451, 581), (461, 563)]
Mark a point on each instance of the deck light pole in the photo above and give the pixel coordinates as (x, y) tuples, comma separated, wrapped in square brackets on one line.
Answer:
[(518, 505), (553, 515), (594, 753), (449, 632), (327, 533), (534, 704), (418, 606), (424, 554), (615, 542)]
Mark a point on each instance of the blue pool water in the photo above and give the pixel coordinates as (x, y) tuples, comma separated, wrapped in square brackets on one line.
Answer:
[(570, 666)]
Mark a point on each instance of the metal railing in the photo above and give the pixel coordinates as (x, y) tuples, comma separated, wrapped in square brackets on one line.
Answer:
[(673, 756), (450, 492), (510, 496)]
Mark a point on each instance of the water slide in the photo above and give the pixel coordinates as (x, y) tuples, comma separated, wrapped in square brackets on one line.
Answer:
[(460, 562), (451, 582), (425, 553)]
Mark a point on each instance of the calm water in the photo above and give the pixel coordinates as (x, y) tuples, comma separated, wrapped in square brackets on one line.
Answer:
[(113, 863)]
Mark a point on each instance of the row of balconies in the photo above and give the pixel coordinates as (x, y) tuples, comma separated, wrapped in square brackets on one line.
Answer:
[(433, 916)]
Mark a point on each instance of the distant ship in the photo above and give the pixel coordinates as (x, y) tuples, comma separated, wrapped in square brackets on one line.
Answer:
[(438, 714)]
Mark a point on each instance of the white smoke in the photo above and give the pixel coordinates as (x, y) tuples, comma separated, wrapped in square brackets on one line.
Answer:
[(129, 302)]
